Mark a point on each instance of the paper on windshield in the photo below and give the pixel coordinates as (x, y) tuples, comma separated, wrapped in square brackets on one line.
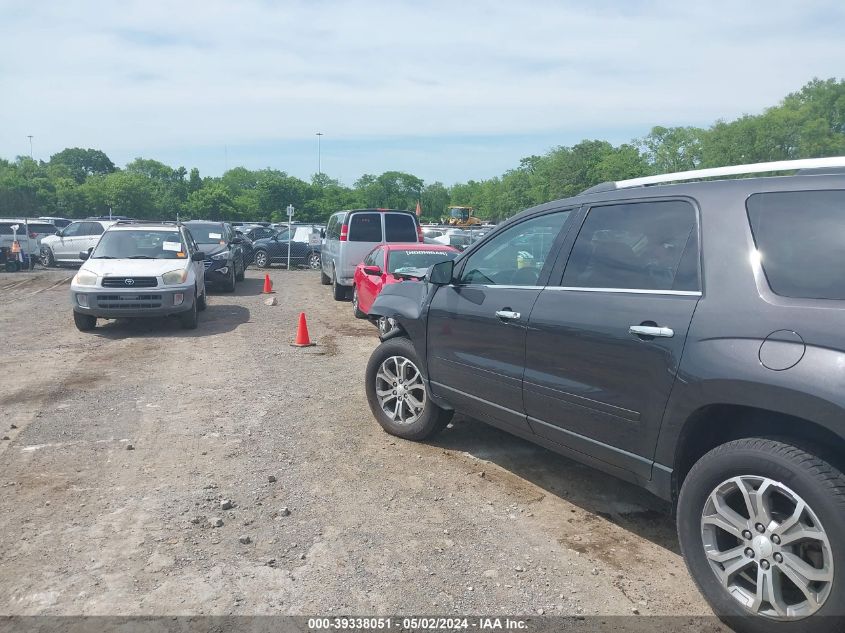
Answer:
[(171, 246), (215, 236)]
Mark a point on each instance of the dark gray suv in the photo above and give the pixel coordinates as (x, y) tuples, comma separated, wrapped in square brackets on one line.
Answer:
[(686, 337)]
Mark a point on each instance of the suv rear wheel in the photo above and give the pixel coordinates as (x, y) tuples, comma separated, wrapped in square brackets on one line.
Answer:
[(762, 528), (397, 393), (338, 291)]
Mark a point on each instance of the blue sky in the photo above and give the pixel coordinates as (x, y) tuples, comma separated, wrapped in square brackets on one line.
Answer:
[(448, 91)]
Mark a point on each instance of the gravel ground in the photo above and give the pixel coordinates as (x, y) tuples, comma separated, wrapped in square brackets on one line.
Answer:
[(127, 446)]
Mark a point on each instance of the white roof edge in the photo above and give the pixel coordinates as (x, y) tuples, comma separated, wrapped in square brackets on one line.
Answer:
[(734, 170)]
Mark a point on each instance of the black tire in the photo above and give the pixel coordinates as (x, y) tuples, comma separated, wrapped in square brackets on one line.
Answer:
[(820, 485), (324, 278), (190, 319), (84, 322), (202, 301), (262, 259), (355, 309), (229, 284), (313, 261), (338, 292), (240, 276), (429, 422), (47, 258)]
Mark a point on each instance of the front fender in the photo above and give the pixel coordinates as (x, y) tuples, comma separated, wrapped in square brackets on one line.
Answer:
[(407, 304)]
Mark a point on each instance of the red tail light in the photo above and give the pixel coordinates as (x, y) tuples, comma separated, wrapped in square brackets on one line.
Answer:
[(420, 237), (344, 232)]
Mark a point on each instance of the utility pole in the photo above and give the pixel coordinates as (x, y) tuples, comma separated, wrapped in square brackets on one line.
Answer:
[(29, 136), (319, 164)]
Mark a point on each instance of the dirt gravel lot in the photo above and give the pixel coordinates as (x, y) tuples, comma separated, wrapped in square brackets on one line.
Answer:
[(339, 517)]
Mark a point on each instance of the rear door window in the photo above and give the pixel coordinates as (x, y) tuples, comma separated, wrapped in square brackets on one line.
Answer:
[(365, 227), (399, 227), (636, 246), (800, 238)]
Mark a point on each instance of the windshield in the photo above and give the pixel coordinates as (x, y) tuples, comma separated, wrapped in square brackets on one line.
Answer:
[(460, 213), (411, 260), (140, 244), (207, 233)]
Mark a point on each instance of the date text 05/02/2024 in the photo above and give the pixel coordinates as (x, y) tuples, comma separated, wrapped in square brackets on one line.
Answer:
[(416, 624)]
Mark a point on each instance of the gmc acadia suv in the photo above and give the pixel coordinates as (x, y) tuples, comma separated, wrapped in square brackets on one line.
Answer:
[(685, 337)]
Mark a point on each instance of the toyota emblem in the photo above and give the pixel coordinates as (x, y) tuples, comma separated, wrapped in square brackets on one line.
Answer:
[(129, 282)]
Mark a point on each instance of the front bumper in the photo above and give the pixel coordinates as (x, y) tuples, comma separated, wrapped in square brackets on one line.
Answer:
[(112, 303), (217, 271)]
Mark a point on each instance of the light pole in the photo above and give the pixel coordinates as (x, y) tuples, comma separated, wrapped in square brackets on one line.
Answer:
[(319, 164), (290, 229), (29, 136)]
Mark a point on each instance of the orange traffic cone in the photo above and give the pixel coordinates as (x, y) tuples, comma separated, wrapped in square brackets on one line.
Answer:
[(302, 339), (268, 285)]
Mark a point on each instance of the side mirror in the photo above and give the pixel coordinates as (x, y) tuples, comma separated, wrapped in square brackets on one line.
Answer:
[(83, 255), (323, 233), (198, 256), (237, 240), (59, 232), (372, 270), (440, 274)]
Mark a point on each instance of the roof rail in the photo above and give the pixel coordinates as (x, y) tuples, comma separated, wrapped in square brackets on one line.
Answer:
[(735, 170), (168, 222), (732, 170)]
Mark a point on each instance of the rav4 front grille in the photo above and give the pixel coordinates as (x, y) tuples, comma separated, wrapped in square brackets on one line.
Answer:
[(129, 282), (128, 302)]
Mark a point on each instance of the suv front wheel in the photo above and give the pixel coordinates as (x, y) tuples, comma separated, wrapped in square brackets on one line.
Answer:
[(762, 529), (397, 394)]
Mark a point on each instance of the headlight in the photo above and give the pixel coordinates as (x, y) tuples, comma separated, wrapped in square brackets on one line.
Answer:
[(84, 278), (219, 256), (175, 277)]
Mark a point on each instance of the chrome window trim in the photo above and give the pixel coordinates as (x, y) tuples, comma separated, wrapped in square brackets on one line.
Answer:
[(503, 286), (637, 291)]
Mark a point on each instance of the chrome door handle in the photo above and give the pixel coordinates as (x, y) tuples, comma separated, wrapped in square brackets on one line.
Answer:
[(507, 314), (648, 330)]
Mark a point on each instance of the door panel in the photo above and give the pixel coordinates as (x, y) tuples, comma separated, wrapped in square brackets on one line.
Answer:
[(477, 325), (476, 356), (591, 383), (587, 375)]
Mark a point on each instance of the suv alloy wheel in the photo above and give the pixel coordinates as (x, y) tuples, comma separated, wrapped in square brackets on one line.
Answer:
[(762, 528)]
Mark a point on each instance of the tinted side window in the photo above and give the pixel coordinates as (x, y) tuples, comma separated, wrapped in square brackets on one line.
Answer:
[(800, 236), (636, 245), (399, 227), (365, 227), (94, 228), (516, 256)]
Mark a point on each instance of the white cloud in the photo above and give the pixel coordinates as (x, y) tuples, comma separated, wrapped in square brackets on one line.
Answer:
[(140, 76)]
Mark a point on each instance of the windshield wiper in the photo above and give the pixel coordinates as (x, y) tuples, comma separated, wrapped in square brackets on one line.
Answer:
[(104, 257), (140, 257)]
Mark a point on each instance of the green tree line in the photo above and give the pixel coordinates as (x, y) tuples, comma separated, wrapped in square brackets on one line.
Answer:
[(83, 182)]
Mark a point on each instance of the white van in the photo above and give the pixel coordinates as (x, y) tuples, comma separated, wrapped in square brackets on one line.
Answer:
[(350, 235)]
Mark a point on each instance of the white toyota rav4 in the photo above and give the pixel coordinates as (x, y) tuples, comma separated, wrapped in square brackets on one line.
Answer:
[(140, 269)]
